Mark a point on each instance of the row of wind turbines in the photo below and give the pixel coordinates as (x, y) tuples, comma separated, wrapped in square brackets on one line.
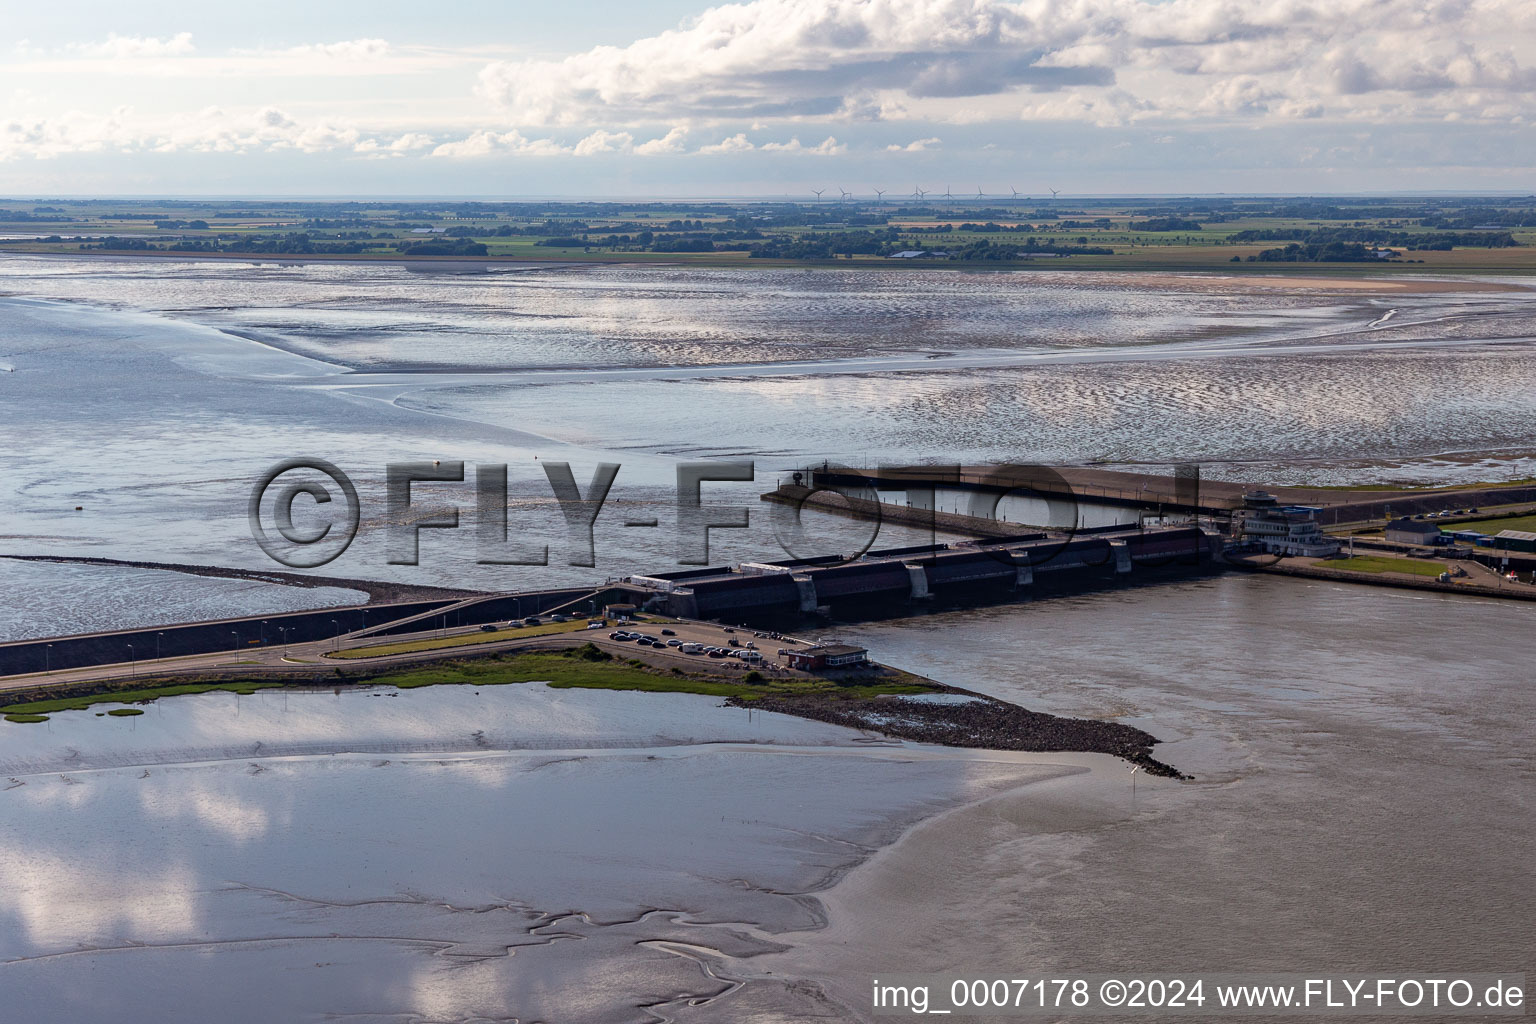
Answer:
[(919, 194)]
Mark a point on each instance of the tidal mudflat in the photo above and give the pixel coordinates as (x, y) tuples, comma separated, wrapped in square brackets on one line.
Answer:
[(439, 854)]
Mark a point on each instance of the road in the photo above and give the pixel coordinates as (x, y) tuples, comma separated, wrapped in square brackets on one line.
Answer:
[(278, 659)]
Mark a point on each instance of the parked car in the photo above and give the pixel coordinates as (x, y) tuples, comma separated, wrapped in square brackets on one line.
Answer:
[(533, 620), (674, 642), (488, 627), (669, 632), (717, 653)]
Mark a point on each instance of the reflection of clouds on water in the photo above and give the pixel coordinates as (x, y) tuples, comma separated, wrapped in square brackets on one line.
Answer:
[(64, 899), (573, 846), (275, 723), (210, 804)]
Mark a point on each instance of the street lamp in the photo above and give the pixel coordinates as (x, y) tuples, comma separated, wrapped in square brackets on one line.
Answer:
[(263, 632), (48, 660), (133, 663), (336, 640), (157, 645)]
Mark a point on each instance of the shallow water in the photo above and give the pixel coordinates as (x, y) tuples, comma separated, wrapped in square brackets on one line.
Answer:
[(1358, 805), (365, 365), (1363, 780), (549, 854), (1361, 755), (54, 599)]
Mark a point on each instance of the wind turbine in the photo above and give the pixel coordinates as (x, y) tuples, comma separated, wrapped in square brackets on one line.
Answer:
[(1054, 193), (949, 198), (880, 195), (979, 193), (845, 195), (1015, 193), (818, 192)]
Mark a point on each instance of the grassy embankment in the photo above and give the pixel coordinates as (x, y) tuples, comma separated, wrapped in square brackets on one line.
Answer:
[(582, 668), (466, 640), (39, 710), (1410, 566), (1493, 526), (594, 669)]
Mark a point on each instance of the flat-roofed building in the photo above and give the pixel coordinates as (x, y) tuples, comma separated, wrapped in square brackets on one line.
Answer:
[(1411, 531), (1515, 540), (827, 656)]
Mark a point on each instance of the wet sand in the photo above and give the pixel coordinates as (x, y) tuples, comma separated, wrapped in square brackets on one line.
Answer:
[(1270, 280), (443, 854), (900, 909)]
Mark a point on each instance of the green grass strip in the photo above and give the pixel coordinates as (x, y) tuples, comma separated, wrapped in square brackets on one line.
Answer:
[(580, 669), (42, 707), (447, 642), (1368, 563), (1493, 526)]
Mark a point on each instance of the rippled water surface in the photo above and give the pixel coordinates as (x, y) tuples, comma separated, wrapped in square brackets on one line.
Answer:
[(1361, 755), (462, 854)]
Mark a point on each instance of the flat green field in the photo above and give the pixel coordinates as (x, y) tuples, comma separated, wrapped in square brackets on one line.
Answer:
[(593, 669), (468, 640), (1492, 526), (1429, 234), (1368, 563)]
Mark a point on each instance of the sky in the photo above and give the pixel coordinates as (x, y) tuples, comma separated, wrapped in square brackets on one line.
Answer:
[(767, 97)]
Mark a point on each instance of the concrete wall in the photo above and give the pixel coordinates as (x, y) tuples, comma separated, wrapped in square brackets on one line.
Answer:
[(199, 637)]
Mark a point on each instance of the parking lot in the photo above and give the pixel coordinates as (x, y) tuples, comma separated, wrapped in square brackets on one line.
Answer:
[(706, 634)]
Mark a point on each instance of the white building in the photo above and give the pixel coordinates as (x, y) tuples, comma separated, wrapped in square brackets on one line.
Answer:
[(1284, 530)]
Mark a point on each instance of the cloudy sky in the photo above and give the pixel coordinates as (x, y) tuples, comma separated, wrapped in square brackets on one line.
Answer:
[(768, 97)]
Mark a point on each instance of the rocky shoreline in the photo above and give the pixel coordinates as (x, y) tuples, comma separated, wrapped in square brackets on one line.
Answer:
[(982, 721)]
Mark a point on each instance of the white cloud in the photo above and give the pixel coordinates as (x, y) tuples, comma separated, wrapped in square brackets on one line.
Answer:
[(347, 50), (668, 143), (604, 142), (210, 130), (1107, 61), (117, 47), (410, 142), (827, 147), (672, 142), (489, 143), (915, 146), (737, 143)]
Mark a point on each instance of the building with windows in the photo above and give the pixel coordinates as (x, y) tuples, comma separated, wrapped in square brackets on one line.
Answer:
[(827, 656), (1282, 529), (1515, 540), (1411, 531)]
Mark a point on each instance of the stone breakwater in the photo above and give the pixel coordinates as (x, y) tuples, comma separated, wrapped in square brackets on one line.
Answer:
[(980, 722)]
